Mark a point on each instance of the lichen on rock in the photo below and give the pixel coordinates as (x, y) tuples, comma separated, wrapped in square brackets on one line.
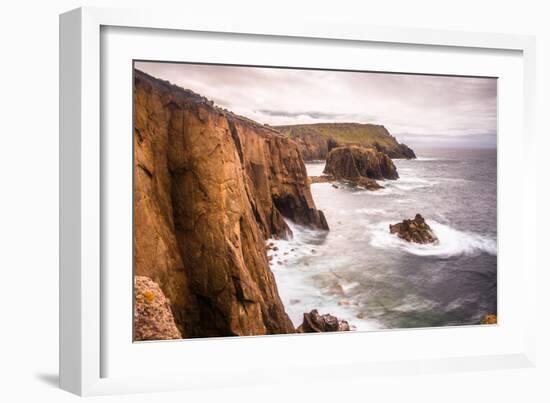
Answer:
[(153, 318)]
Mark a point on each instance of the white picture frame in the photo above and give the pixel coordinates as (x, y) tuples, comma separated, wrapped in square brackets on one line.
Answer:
[(85, 344)]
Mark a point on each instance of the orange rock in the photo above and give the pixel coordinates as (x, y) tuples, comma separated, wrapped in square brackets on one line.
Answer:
[(356, 162), (210, 188), (490, 319)]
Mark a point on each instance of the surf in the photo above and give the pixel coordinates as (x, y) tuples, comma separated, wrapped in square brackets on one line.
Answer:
[(451, 241)]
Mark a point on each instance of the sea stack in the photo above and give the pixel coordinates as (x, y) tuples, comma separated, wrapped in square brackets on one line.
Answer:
[(352, 162), (359, 166)]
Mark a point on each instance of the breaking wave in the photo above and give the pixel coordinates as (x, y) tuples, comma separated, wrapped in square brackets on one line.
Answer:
[(452, 242)]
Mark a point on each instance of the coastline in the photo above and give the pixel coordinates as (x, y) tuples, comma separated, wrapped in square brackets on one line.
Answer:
[(457, 244), (232, 237)]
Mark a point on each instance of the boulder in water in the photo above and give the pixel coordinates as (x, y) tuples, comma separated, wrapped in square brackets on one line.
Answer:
[(415, 230), (316, 323), (363, 181)]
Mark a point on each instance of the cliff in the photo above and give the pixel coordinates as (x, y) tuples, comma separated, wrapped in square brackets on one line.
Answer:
[(209, 188), (316, 140)]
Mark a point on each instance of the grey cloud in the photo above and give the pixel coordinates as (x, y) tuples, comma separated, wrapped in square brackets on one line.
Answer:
[(418, 108), (311, 114)]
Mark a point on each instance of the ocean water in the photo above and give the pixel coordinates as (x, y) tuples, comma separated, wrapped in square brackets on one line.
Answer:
[(359, 272)]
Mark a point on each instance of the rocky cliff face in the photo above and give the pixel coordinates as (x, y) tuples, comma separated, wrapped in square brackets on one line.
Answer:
[(209, 188), (353, 162), (399, 151), (316, 140), (314, 147)]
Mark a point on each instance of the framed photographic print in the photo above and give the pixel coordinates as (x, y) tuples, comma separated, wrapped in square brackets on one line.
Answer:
[(235, 199)]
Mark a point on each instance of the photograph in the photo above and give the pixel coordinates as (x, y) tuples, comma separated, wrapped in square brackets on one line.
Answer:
[(271, 200)]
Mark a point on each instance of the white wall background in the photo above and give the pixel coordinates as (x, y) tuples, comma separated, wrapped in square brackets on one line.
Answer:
[(29, 197)]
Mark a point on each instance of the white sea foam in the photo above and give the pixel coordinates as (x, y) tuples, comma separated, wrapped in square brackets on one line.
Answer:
[(372, 211), (452, 242), (315, 168), (414, 303), (386, 191), (297, 288), (398, 186), (427, 159), (406, 183)]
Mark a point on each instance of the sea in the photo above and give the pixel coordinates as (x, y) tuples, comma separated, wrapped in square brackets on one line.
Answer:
[(361, 273)]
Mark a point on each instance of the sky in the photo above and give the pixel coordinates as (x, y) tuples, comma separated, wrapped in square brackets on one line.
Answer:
[(419, 110)]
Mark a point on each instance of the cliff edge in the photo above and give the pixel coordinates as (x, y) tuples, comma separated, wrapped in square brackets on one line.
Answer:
[(209, 188), (317, 140)]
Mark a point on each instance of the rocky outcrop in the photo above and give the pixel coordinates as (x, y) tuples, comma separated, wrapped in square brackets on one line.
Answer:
[(316, 140), (153, 318), (316, 323), (209, 188), (490, 319), (359, 164), (415, 230), (322, 179), (398, 151), (367, 183)]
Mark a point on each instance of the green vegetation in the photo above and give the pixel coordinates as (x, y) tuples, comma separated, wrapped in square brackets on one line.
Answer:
[(343, 133)]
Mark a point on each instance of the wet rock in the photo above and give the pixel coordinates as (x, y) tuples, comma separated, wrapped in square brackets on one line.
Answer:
[(322, 179), (316, 323), (415, 230), (368, 183)]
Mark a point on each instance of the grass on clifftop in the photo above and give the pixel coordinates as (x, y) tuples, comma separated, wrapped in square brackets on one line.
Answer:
[(343, 133)]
